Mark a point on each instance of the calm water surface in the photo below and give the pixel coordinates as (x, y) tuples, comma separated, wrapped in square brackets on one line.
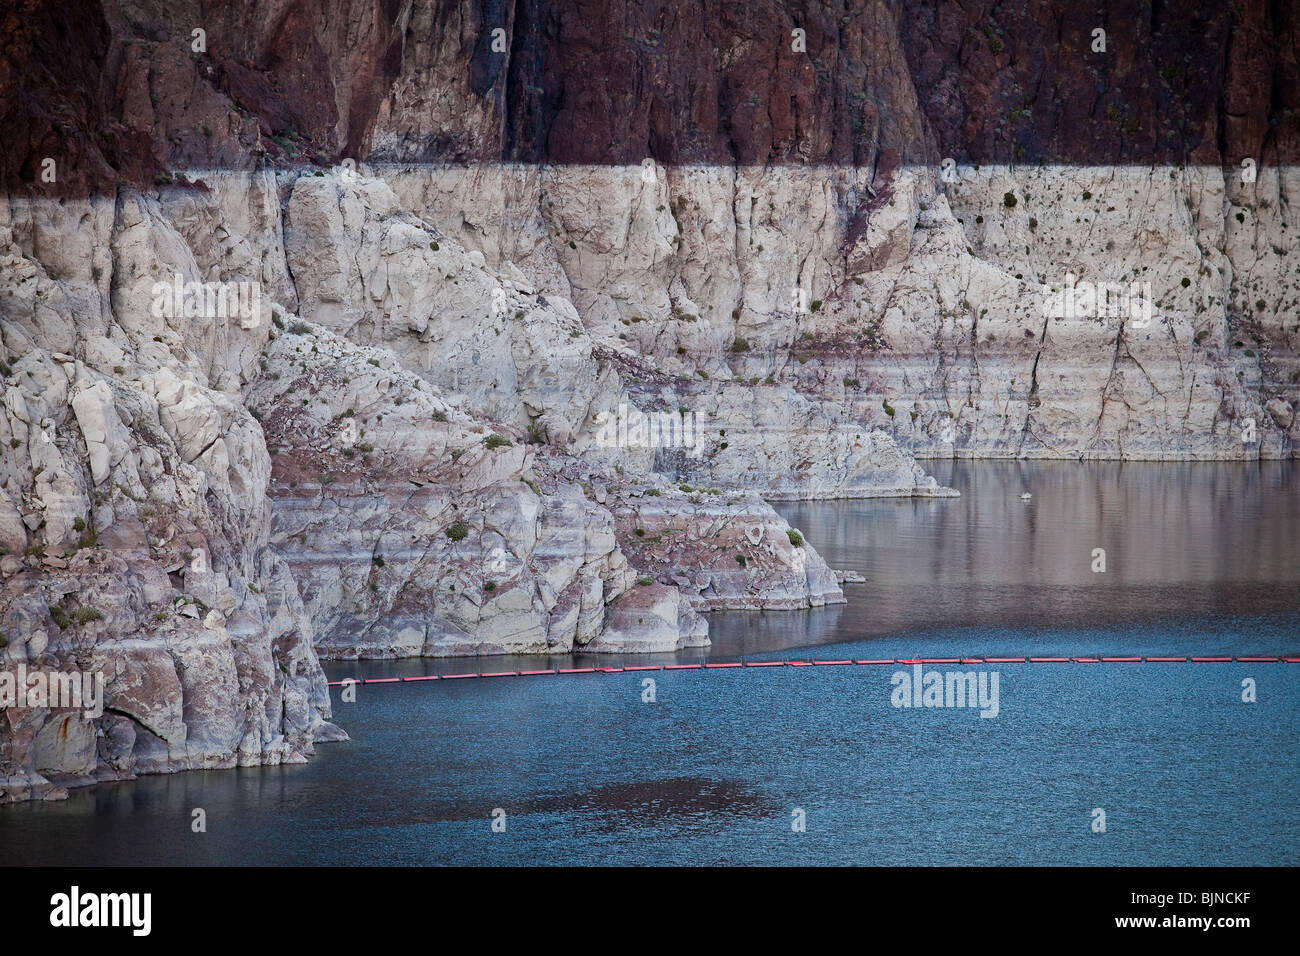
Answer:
[(1201, 559)]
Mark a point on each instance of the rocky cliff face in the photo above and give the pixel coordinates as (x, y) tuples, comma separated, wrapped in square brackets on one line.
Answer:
[(553, 298), (197, 504), (134, 514), (798, 313)]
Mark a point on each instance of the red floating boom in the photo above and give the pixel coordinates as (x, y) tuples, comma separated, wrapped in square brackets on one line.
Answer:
[(718, 665)]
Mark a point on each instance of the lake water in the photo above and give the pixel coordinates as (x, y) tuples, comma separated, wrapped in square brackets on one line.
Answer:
[(1200, 559)]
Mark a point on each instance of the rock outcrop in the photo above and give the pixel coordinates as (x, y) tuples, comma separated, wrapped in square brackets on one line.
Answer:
[(436, 483), (135, 518)]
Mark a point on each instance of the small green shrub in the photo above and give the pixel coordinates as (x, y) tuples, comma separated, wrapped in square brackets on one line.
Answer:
[(458, 531), (90, 539)]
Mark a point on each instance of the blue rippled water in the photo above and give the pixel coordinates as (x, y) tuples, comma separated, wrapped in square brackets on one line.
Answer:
[(1201, 559)]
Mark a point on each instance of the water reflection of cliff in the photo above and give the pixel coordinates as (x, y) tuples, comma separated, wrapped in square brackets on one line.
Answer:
[(1179, 539)]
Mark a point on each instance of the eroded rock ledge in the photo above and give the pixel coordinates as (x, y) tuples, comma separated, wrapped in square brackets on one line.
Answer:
[(414, 528)]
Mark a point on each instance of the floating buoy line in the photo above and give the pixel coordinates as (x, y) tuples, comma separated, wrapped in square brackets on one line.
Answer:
[(563, 671)]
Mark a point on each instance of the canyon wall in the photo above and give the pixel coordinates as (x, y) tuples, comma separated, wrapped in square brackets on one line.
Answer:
[(607, 151), (555, 297)]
